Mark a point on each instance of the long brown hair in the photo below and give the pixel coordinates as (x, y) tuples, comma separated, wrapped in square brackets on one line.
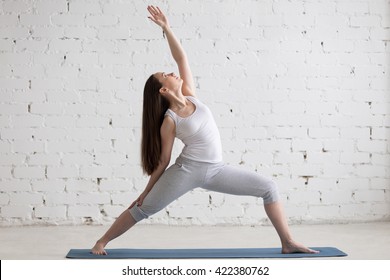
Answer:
[(154, 108)]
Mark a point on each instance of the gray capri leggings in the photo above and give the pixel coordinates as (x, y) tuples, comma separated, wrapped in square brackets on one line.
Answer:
[(186, 175)]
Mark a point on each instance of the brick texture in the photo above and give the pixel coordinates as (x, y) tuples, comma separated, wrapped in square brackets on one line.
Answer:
[(299, 89)]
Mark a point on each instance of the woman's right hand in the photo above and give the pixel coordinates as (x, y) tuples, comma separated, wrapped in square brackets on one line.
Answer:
[(139, 200), (158, 17)]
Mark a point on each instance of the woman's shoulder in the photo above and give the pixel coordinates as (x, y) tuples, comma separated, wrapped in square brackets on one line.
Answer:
[(171, 114), (168, 127)]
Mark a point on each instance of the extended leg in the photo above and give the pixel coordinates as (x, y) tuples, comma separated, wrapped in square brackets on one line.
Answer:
[(122, 224), (174, 182), (276, 215)]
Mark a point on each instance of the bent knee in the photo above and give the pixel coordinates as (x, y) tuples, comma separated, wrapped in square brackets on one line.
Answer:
[(271, 193)]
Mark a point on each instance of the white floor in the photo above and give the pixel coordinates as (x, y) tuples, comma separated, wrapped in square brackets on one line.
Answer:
[(369, 241)]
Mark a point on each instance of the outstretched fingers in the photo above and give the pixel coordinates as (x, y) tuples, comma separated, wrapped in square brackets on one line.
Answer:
[(153, 11), (157, 16), (151, 14)]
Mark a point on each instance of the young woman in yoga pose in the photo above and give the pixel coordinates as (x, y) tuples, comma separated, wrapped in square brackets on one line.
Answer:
[(171, 109)]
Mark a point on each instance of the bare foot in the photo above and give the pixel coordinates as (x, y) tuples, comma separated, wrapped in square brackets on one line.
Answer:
[(291, 247), (98, 249)]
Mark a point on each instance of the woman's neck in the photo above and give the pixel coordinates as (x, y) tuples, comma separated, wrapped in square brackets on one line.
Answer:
[(178, 103)]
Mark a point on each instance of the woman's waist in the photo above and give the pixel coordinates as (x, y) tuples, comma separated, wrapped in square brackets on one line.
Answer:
[(184, 159)]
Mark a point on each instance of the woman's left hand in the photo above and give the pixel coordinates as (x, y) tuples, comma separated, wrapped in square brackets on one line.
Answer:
[(158, 17)]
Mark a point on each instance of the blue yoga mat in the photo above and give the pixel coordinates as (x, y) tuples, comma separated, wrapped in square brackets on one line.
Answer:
[(218, 253)]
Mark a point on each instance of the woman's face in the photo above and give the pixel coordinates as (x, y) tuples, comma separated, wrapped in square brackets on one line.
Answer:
[(169, 81)]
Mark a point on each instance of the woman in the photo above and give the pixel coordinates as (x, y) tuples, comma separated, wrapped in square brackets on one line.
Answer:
[(170, 110)]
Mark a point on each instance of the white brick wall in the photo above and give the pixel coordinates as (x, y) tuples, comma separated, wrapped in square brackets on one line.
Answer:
[(299, 89)]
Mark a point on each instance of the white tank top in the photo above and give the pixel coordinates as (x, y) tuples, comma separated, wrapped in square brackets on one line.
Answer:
[(199, 133)]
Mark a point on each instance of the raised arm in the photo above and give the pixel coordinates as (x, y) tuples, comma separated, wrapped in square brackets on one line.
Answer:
[(177, 50)]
